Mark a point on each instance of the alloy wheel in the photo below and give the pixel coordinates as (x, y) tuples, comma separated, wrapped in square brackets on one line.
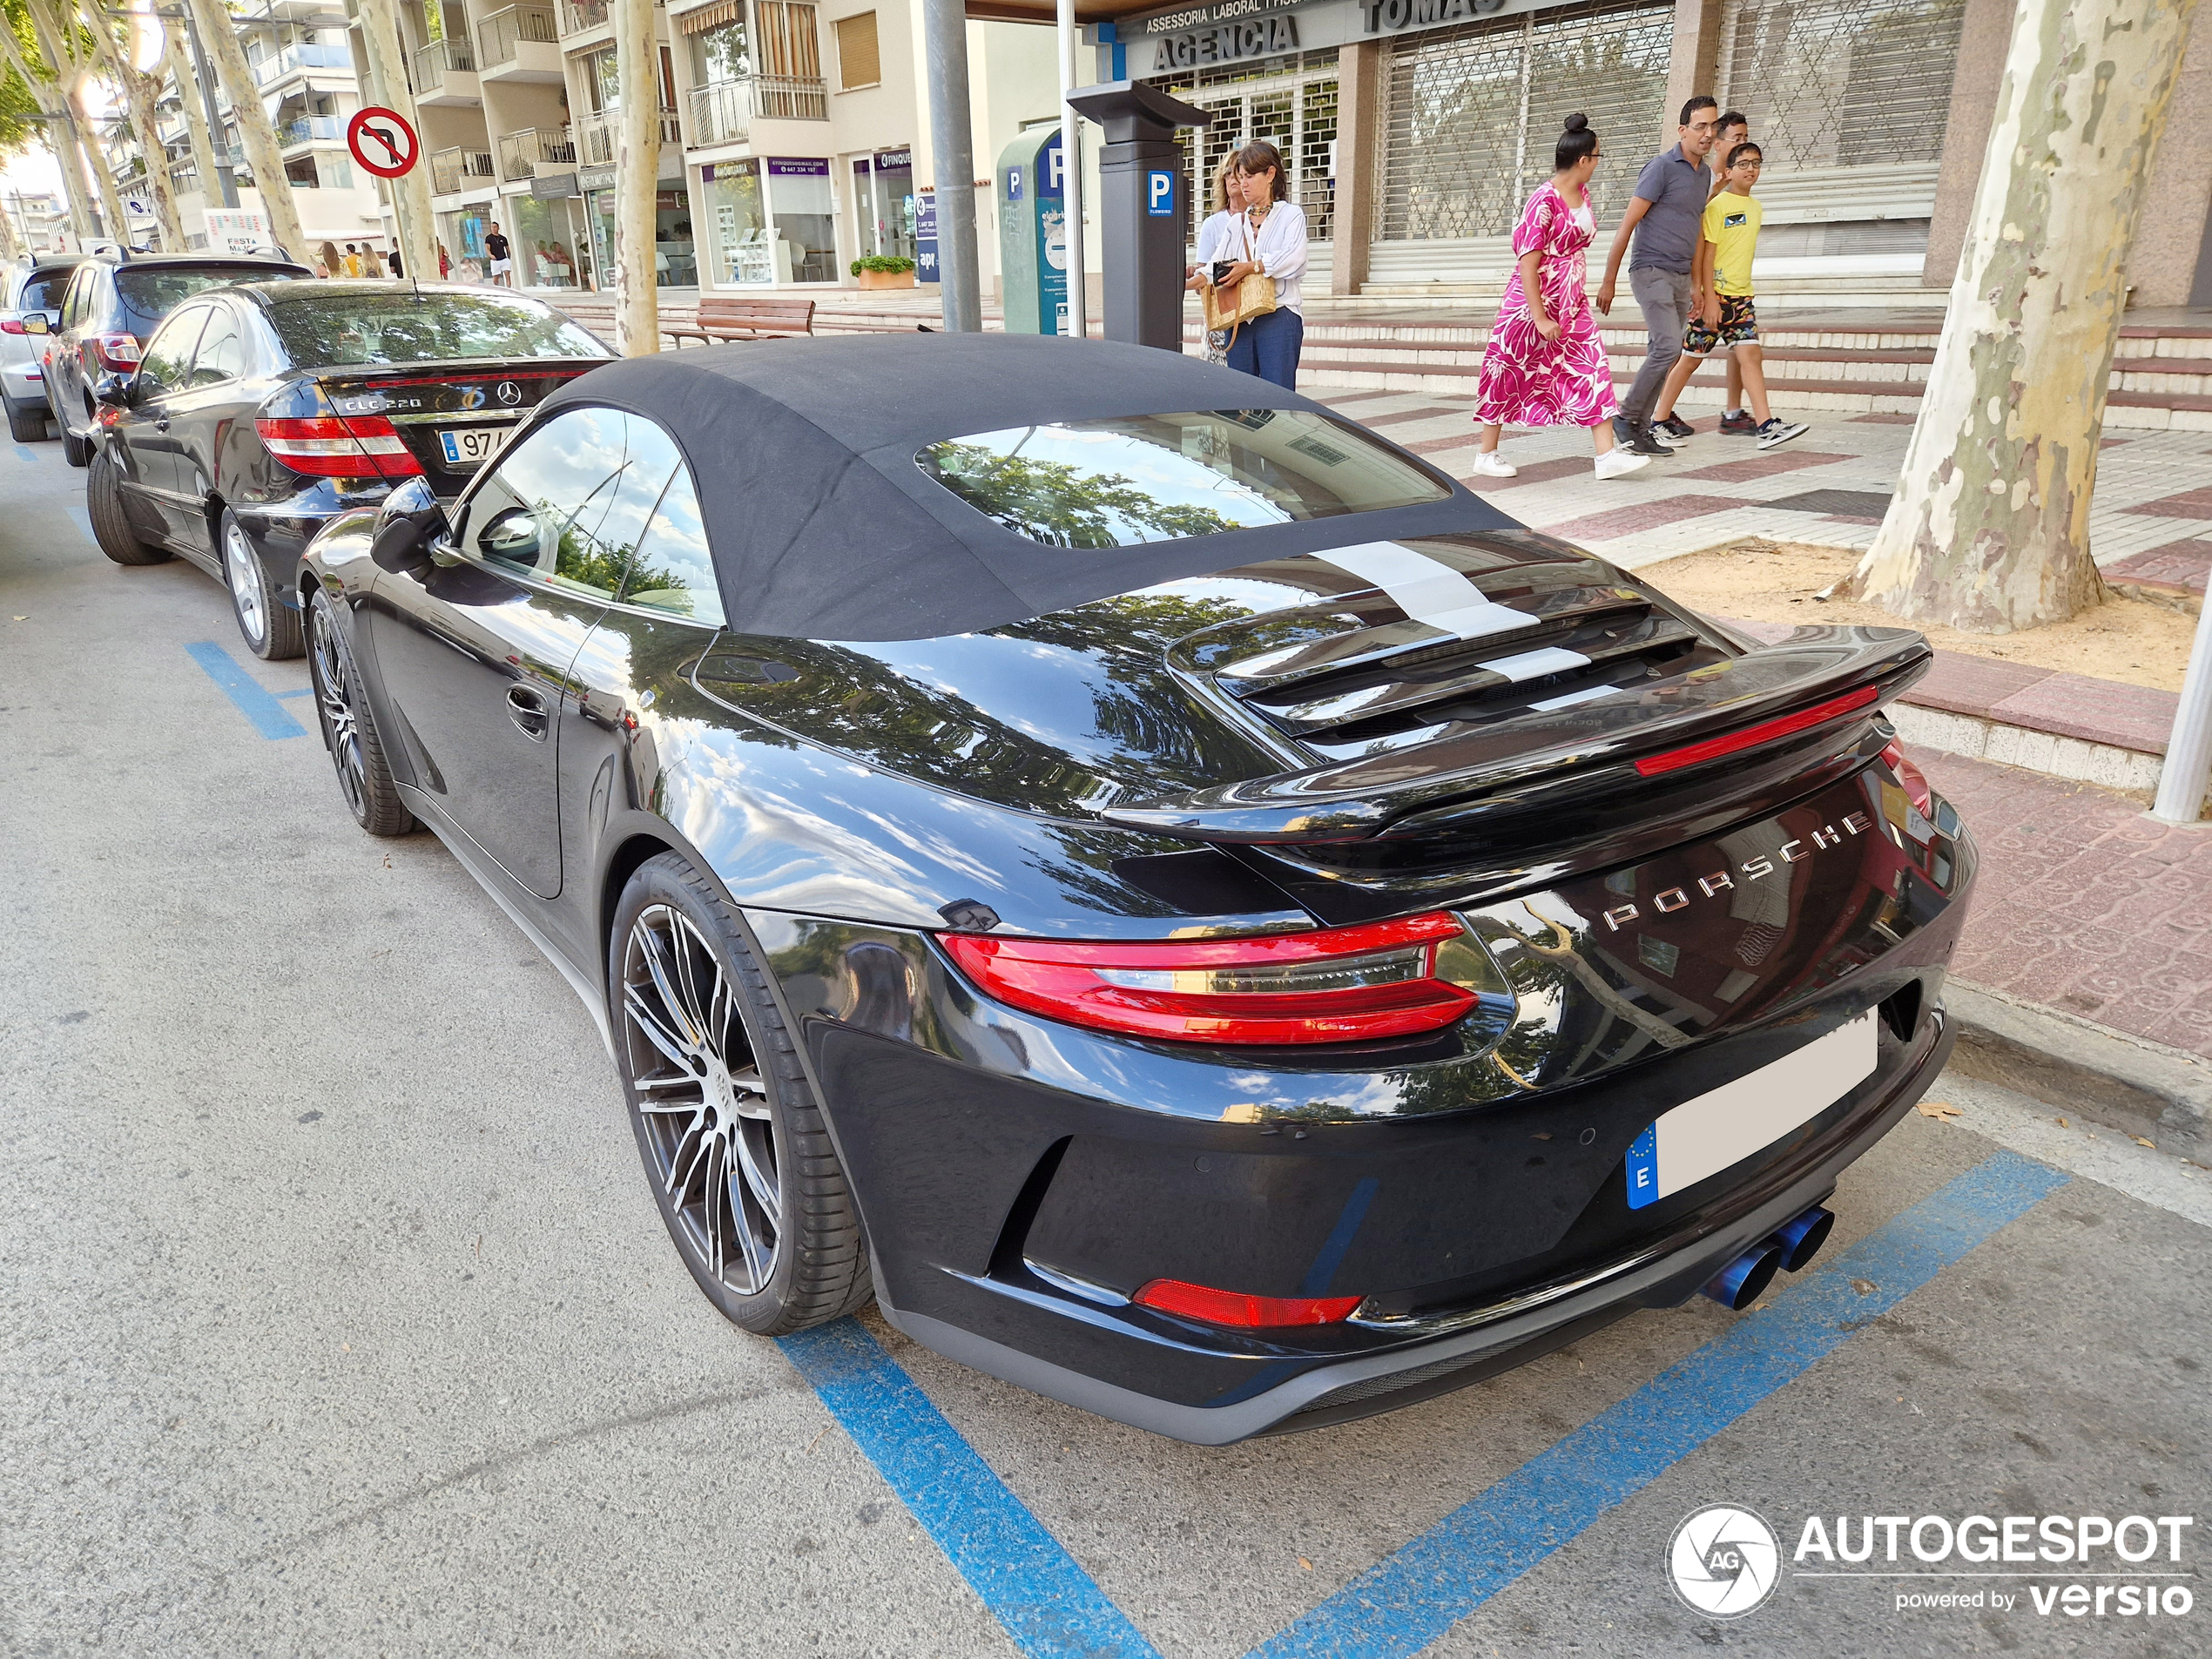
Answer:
[(244, 570), (333, 680), (709, 1128)]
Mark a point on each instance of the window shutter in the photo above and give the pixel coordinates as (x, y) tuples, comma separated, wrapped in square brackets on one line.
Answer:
[(857, 64)]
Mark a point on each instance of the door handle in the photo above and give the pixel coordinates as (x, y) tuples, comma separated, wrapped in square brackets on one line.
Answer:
[(527, 708), (161, 422)]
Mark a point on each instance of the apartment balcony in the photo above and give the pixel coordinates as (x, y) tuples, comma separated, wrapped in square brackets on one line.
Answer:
[(598, 136), (581, 16), (293, 59), (444, 73), (722, 111), (522, 153), (308, 129), (520, 43), (184, 180), (461, 168)]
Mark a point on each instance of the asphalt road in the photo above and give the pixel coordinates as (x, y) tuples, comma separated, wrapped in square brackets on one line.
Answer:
[(335, 1317)]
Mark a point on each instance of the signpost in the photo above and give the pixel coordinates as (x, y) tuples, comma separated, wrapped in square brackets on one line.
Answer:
[(383, 141)]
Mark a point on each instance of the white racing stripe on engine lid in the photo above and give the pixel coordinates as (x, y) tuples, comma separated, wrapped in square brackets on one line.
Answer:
[(1535, 665), (1427, 589)]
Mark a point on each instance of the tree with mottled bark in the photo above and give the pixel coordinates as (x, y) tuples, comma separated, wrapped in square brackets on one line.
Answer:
[(69, 47), (58, 129), (176, 66), (410, 192), (637, 176), (1989, 529), (115, 43), (226, 58)]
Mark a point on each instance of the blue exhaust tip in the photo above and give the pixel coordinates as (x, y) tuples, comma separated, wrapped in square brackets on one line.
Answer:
[(1740, 1284), (1800, 1240)]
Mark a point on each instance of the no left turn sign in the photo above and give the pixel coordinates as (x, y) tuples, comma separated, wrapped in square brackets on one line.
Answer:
[(383, 141)]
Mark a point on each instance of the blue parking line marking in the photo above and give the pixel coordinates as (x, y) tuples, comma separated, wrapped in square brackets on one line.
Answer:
[(1411, 1598), (1032, 1586), (24, 452), (297, 691), (270, 718)]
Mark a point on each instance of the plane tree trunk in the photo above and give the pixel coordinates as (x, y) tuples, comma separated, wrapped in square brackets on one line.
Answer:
[(638, 172), (256, 132)]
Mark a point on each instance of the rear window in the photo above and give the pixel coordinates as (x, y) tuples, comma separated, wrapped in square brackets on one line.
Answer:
[(334, 328), (1157, 477), (149, 293), (43, 293)]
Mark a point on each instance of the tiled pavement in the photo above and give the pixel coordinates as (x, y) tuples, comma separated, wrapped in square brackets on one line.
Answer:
[(2152, 518), (2085, 903)]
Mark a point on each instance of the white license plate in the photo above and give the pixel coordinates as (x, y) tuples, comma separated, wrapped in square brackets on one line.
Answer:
[(1700, 1137), (464, 445)]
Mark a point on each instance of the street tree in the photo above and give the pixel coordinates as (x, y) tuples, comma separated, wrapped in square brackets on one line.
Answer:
[(175, 66), (219, 40), (40, 74), (1989, 529), (418, 236), (638, 175), (115, 43), (68, 45)]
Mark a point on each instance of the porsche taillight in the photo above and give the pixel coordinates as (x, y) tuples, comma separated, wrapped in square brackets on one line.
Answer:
[(1383, 979), (1751, 737), (332, 446)]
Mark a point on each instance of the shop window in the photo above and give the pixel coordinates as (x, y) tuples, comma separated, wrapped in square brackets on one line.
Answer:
[(858, 63), (737, 242), (804, 217)]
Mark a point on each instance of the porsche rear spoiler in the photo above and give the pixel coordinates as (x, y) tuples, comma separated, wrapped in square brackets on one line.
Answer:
[(1812, 687)]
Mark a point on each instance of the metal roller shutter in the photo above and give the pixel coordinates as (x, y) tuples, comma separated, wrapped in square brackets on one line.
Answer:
[(1841, 82), (1472, 113), (1289, 102)]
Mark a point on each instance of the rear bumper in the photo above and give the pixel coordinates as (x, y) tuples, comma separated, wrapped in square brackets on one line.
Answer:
[(22, 383), (1515, 1331)]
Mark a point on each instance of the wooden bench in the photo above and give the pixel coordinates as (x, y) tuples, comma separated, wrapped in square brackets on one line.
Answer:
[(746, 317)]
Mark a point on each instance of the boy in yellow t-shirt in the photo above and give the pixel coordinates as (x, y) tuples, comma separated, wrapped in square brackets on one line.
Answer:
[(1730, 320)]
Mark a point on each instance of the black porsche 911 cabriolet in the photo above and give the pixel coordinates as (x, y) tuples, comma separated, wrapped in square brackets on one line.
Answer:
[(1185, 905)]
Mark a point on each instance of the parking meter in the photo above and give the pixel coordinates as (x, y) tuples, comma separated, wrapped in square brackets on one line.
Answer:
[(1033, 234), (1143, 210)]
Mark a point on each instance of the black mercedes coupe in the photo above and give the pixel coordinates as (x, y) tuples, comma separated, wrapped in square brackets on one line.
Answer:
[(1188, 907)]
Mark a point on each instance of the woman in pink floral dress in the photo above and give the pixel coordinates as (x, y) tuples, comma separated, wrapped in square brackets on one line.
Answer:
[(1545, 365)]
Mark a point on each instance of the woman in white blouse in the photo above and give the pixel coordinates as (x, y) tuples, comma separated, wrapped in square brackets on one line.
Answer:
[(1268, 241), (1214, 237)]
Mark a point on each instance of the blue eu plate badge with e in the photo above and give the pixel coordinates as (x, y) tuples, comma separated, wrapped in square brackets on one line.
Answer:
[(1643, 1167)]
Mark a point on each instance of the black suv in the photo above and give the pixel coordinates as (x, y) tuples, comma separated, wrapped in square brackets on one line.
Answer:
[(112, 306)]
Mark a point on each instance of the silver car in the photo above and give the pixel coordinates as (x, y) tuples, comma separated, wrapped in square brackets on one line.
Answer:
[(29, 285)]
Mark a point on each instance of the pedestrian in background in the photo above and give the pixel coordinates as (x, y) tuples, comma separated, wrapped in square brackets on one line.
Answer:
[(1213, 246), (1665, 217), (352, 260), (398, 269), (495, 250), (1545, 365), (1270, 241), (1734, 128), (1728, 318), (331, 264), (445, 263), (372, 262)]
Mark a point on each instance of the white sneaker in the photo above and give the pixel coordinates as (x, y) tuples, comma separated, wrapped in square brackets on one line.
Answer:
[(1491, 464), (1778, 431), (1617, 462)]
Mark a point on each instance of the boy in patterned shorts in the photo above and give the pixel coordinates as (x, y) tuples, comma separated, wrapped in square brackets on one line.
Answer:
[(1730, 320)]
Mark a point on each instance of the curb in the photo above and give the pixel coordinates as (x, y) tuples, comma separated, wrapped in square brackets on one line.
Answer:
[(2143, 1090)]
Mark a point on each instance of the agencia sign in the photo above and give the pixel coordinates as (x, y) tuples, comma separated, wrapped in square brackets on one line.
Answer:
[(233, 230)]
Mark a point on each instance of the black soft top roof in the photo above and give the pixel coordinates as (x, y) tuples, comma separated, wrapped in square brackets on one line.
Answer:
[(823, 526)]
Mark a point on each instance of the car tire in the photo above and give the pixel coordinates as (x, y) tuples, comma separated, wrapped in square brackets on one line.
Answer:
[(112, 526), (27, 422), (348, 729), (732, 1138), (267, 620), (75, 451)]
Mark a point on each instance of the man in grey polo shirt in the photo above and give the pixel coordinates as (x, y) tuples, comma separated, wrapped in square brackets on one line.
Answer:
[(1664, 217)]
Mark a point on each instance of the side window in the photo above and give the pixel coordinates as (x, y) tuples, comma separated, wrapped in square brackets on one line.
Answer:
[(221, 355), (607, 557), (537, 513), (73, 299), (673, 570), (169, 353)]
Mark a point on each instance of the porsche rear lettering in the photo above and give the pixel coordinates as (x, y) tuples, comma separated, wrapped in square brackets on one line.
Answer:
[(1720, 881)]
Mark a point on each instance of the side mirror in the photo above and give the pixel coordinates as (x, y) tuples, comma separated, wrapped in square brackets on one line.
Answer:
[(33, 322), (410, 519), (117, 391)]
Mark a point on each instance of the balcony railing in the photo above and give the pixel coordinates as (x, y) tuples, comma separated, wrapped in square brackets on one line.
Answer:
[(597, 137), (307, 129), (520, 152), (433, 62), (460, 168), (184, 180), (296, 57), (577, 16), (499, 35), (722, 111)]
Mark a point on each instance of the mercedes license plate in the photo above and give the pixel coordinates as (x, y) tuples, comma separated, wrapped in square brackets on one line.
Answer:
[(467, 446)]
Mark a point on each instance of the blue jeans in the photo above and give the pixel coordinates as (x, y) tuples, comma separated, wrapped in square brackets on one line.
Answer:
[(1268, 347)]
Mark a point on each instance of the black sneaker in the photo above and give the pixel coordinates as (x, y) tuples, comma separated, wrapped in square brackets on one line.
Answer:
[(1740, 424), (1674, 426), (1642, 440), (1778, 431)]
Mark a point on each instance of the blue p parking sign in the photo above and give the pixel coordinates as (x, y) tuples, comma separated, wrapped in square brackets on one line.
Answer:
[(1159, 192)]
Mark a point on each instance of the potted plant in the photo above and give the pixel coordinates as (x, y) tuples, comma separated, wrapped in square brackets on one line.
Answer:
[(884, 271)]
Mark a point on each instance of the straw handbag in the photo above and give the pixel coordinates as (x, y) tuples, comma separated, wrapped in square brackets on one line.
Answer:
[(1227, 309)]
